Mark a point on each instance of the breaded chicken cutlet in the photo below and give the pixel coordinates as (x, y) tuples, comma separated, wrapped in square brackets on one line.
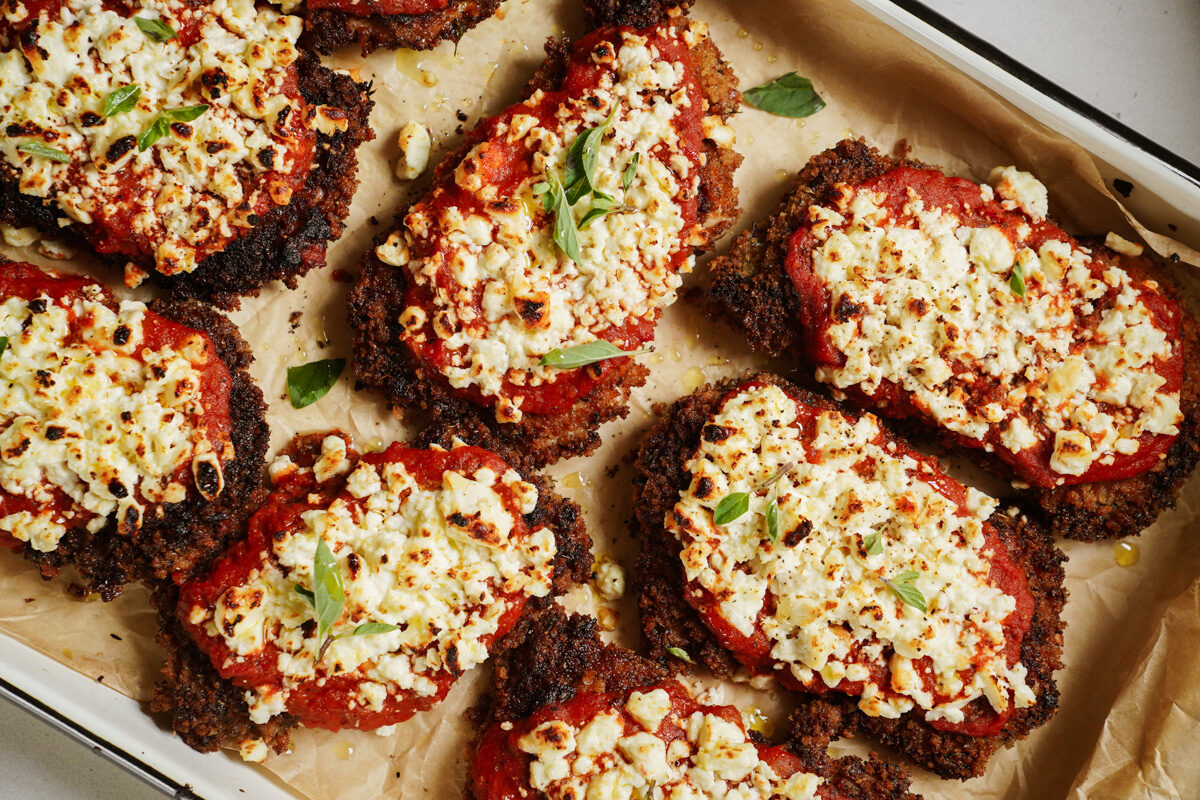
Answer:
[(134, 436), (233, 170), (868, 539), (485, 543), (1074, 367), (562, 695), (554, 237), (385, 24)]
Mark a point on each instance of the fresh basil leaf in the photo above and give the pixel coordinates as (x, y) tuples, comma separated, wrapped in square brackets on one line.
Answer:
[(3, 344), (873, 543), (681, 654), (329, 594), (185, 114), (310, 382), (155, 29), (602, 206), (162, 124), (370, 629), (630, 172), (158, 129), (122, 99), (1017, 281), (787, 96), (583, 354), (580, 174), (773, 517), (44, 151), (731, 507), (566, 235), (902, 585), (306, 594)]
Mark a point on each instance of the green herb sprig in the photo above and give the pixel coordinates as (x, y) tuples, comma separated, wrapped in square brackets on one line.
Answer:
[(44, 151), (310, 382), (902, 585), (736, 504), (579, 181), (788, 95), (681, 654), (121, 99), (162, 124), (3, 344), (155, 29), (873, 543), (583, 354), (328, 598), (1017, 281)]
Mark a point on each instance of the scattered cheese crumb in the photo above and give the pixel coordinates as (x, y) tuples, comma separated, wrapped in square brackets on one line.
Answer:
[(414, 143)]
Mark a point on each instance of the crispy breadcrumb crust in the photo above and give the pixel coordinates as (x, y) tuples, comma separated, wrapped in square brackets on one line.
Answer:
[(668, 620), (328, 29), (559, 655), (286, 242), (751, 290), (208, 712), (383, 362), (181, 538)]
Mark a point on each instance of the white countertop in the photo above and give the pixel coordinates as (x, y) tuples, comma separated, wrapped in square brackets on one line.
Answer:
[(1136, 60)]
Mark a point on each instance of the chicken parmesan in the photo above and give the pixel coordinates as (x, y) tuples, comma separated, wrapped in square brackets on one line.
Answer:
[(232, 167), (811, 545), (368, 584), (518, 289), (574, 718), (129, 435), (391, 24), (963, 306)]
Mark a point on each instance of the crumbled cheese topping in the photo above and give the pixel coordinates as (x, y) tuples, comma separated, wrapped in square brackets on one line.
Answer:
[(90, 413), (438, 563), (200, 185), (503, 293), (835, 615), (926, 303), (707, 757)]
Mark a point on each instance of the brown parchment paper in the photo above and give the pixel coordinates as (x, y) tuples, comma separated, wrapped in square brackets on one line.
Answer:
[(1131, 688)]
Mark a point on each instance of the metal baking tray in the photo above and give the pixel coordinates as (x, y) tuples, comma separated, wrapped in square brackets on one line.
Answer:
[(1167, 187)]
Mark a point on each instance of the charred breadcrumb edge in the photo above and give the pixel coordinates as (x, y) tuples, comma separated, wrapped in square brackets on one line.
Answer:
[(750, 290), (669, 621), (209, 712), (286, 242), (383, 362), (327, 30), (180, 538), (556, 655)]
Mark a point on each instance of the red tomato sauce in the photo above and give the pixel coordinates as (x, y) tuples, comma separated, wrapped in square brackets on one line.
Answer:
[(158, 333), (112, 229), (367, 8), (500, 768), (755, 651), (962, 198), (327, 701), (506, 165)]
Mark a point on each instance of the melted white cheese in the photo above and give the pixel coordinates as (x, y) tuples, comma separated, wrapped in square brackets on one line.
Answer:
[(505, 255), (187, 188), (712, 759), (431, 561), (926, 296), (80, 414), (835, 612)]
